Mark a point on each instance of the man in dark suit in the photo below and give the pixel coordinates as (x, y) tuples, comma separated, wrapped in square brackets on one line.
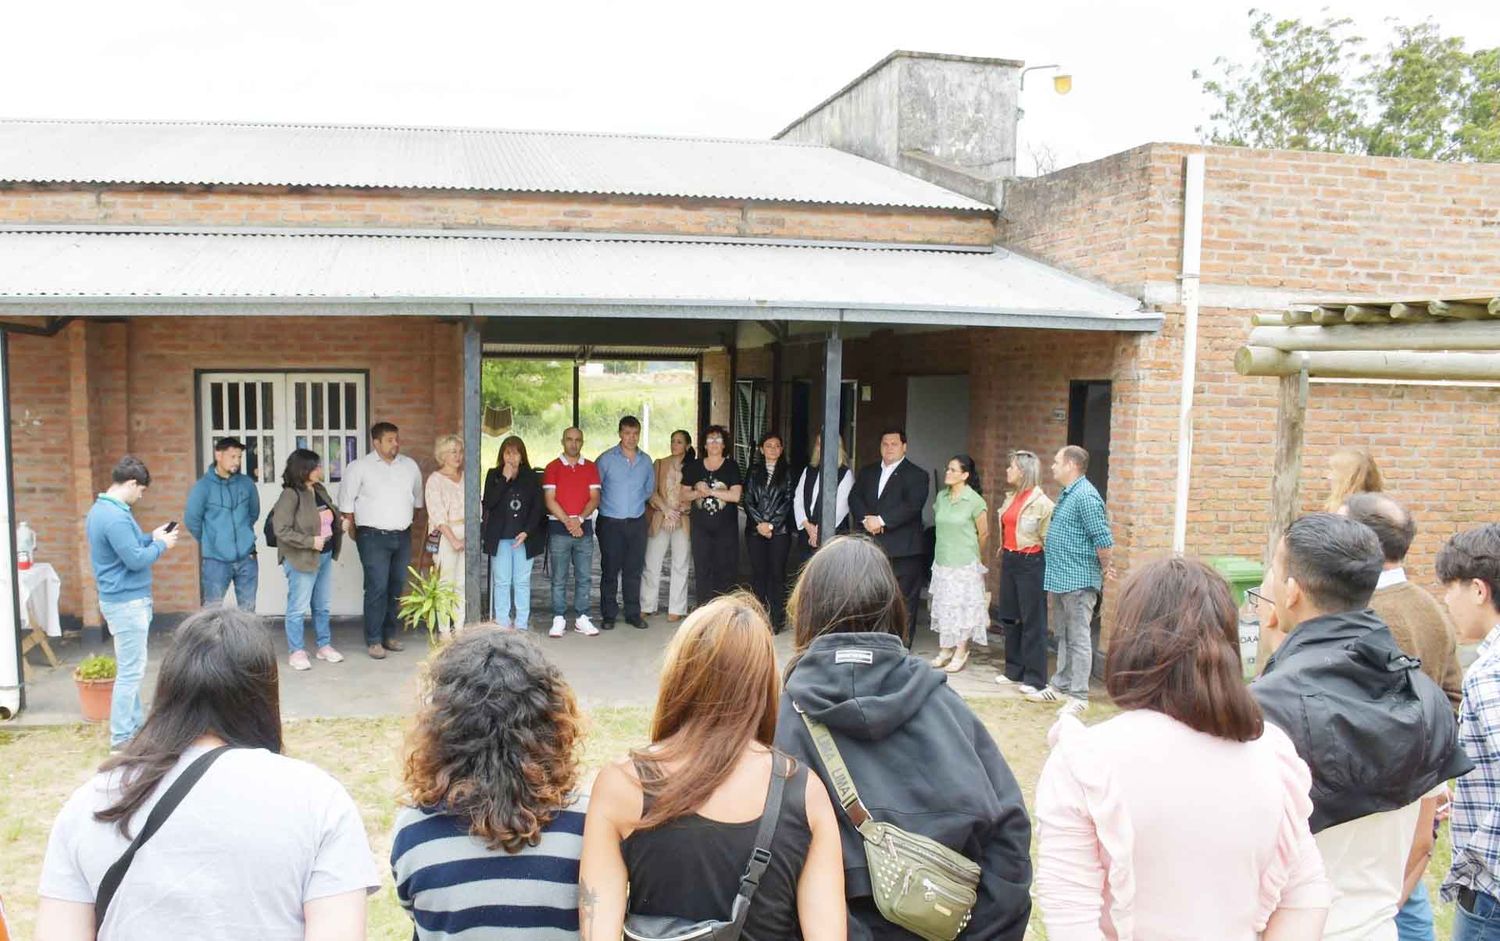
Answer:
[(887, 504)]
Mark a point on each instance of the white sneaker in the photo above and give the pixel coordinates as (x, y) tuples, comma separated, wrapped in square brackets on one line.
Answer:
[(584, 626), (1004, 680), (1073, 707), (1025, 689), (559, 627), (1046, 694)]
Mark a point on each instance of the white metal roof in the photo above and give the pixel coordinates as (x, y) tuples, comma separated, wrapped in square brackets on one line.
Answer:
[(187, 153), (138, 272)]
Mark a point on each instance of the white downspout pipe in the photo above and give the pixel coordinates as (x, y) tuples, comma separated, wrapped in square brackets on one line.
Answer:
[(1192, 253)]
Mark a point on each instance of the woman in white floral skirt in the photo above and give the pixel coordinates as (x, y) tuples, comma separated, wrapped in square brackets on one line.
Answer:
[(959, 613)]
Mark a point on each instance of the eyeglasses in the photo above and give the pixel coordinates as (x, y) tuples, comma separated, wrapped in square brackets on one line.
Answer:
[(1254, 594)]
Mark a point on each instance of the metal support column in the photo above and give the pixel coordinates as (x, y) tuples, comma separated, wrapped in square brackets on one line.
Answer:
[(828, 473), (12, 687), (473, 405)]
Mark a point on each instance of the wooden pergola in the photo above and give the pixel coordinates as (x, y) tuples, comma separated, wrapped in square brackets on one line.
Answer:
[(1445, 339)]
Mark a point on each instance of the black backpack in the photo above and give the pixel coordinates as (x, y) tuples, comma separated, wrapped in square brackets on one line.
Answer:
[(269, 531)]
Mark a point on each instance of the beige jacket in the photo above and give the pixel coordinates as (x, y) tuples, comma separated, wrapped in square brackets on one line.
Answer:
[(295, 521), (1035, 518), (668, 494)]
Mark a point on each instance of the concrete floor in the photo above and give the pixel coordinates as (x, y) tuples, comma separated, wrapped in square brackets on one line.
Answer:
[(617, 667)]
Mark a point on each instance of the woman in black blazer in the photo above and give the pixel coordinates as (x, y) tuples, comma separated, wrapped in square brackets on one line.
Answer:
[(512, 532)]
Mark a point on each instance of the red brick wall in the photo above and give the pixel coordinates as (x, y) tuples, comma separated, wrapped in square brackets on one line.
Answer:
[(283, 206), (135, 383)]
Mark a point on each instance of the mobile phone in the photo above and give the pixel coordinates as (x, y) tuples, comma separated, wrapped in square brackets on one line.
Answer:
[(171, 526)]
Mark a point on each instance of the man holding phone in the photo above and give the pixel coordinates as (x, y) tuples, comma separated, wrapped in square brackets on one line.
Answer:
[(122, 557)]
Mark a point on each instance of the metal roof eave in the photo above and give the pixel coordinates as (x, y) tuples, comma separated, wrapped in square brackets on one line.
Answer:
[(1133, 321)]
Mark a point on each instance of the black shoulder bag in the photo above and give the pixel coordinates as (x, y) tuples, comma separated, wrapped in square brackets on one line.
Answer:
[(672, 928), (158, 816)]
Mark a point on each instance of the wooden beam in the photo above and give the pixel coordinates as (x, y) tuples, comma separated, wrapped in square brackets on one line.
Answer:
[(1448, 335), (1458, 310), (1359, 364), (1286, 467), (1325, 316), (1363, 313), (1296, 315), (1268, 320), (1494, 307), (1411, 313)]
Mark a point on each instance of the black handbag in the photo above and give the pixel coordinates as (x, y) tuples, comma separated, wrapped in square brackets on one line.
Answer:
[(159, 814), (672, 928)]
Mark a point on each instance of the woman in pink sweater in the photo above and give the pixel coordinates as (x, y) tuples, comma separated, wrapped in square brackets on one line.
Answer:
[(1185, 817)]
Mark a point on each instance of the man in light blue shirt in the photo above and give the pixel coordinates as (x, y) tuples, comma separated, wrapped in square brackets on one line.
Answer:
[(628, 479)]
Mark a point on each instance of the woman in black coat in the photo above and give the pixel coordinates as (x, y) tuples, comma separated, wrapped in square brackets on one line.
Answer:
[(512, 532), (768, 526)]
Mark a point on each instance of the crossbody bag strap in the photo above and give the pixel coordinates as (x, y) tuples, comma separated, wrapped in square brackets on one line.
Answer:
[(159, 814), (760, 857), (838, 772)]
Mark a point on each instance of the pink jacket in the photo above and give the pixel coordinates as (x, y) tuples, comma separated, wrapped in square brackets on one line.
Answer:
[(1152, 831)]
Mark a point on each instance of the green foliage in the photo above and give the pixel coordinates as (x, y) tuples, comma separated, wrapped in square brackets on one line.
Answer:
[(96, 668), (527, 385), (1313, 87), (429, 600)]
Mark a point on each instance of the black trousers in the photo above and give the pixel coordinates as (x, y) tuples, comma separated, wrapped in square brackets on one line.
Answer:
[(1023, 612), (622, 552), (384, 555), (716, 561), (909, 572), (768, 558)]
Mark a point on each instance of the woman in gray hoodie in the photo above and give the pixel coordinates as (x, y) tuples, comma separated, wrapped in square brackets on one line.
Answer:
[(918, 755)]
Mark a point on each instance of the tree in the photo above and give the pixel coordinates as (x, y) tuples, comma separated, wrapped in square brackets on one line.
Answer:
[(1312, 87), (530, 386)]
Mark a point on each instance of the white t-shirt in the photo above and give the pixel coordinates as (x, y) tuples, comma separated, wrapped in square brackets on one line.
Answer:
[(1365, 859), (257, 837)]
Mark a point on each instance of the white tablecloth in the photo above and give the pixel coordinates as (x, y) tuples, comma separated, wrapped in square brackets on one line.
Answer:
[(40, 587)]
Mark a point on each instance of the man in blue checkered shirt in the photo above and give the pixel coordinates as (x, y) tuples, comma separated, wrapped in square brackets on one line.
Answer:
[(1469, 566), (1077, 554)]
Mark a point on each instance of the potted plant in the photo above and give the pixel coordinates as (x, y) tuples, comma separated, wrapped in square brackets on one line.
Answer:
[(95, 678), (429, 600)]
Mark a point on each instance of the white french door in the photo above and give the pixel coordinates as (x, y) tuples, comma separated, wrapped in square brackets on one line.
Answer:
[(275, 413)]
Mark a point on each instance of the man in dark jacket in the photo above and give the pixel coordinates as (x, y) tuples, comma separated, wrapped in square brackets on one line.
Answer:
[(921, 760), (1377, 734), (222, 510), (887, 503)]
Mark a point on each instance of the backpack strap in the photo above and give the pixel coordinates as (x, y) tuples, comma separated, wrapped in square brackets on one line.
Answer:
[(760, 857), (838, 772), (158, 816)]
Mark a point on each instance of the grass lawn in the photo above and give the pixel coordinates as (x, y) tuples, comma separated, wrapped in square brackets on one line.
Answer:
[(39, 769)]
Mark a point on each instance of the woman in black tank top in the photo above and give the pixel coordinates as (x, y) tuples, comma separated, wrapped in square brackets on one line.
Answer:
[(671, 828)]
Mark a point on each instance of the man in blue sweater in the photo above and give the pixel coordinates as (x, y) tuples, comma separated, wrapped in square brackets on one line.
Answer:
[(222, 510), (122, 557)]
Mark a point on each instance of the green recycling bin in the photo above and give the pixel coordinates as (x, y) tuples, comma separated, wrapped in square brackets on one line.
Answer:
[(1241, 573)]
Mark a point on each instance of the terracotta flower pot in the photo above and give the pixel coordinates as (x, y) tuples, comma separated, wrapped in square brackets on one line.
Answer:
[(94, 697)]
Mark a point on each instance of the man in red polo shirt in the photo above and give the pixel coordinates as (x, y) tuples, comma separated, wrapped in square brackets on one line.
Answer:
[(570, 489)]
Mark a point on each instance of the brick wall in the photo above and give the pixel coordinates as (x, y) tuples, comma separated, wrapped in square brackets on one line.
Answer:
[(335, 208), (97, 390)]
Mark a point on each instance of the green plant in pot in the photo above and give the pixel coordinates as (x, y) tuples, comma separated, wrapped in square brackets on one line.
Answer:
[(428, 601), (95, 678)]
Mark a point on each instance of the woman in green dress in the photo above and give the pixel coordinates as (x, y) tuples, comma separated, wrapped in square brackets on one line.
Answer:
[(959, 613)]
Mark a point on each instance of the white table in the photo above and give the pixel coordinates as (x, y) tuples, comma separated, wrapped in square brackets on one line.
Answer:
[(40, 588)]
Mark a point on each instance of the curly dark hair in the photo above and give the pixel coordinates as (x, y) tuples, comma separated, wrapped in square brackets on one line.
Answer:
[(496, 740)]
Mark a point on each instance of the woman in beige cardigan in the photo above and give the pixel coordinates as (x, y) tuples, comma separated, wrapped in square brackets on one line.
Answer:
[(1024, 518), (668, 531), (309, 534)]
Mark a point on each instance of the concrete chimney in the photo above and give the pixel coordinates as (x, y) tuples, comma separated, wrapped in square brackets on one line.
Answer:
[(950, 120)]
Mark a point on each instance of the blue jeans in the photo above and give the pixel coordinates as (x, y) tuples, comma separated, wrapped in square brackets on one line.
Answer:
[(384, 555), (1075, 655), (1482, 924), (214, 578), (1414, 919), (578, 554), (510, 569), (304, 589), (129, 623)]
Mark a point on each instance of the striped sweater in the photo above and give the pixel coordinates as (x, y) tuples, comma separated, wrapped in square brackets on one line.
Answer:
[(455, 888)]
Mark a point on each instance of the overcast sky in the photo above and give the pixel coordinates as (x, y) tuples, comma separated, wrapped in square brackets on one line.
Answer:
[(725, 69)]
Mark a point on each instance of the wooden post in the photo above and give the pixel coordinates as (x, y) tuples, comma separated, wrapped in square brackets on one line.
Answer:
[(473, 387), (1291, 417)]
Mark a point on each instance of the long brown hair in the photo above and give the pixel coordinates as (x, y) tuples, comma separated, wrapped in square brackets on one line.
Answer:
[(497, 739), (1354, 471), (719, 692), (1175, 650), (848, 586), (514, 441)]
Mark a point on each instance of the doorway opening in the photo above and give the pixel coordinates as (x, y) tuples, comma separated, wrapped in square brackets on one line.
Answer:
[(1088, 427)]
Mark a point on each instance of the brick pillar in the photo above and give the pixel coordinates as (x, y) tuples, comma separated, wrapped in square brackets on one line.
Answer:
[(83, 445)]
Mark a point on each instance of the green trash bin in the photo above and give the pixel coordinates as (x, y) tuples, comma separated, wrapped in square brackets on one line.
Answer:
[(1241, 574)]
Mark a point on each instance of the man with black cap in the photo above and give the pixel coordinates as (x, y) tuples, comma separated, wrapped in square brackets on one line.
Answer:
[(222, 510)]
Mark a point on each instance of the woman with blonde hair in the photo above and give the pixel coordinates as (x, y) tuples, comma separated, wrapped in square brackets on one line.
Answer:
[(445, 517), (1351, 471), (1024, 518), (668, 530), (671, 827)]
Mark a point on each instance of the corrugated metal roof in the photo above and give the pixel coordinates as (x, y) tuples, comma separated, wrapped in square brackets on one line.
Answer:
[(576, 276), (183, 153)]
